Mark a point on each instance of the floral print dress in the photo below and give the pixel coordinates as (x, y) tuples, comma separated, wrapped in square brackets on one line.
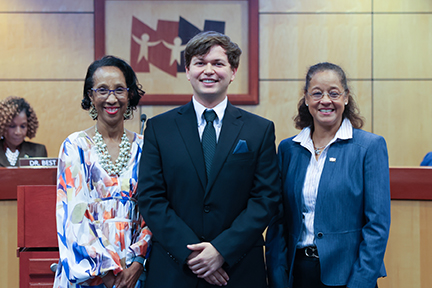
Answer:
[(99, 228)]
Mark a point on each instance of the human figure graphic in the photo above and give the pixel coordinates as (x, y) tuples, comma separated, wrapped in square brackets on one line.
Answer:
[(144, 44), (176, 49)]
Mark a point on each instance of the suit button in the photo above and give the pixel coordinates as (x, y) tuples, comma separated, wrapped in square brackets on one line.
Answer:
[(207, 209), (202, 238), (320, 235)]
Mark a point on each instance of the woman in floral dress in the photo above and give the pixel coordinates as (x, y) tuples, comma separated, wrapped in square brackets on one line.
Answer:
[(103, 241)]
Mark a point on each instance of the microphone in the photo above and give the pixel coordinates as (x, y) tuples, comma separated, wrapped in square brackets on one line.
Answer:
[(143, 120)]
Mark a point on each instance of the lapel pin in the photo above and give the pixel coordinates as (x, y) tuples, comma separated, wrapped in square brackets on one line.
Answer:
[(332, 159)]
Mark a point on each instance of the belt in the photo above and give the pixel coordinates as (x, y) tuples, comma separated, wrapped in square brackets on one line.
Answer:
[(310, 251)]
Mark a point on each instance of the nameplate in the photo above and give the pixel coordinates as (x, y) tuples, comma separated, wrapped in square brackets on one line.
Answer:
[(38, 162)]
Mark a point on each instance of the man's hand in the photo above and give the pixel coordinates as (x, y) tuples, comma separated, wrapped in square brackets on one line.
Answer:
[(219, 278), (204, 260)]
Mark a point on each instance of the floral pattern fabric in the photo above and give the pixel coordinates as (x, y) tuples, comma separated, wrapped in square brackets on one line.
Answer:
[(99, 228)]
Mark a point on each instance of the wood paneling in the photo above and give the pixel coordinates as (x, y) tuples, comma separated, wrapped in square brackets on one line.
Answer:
[(402, 46), (315, 6), (45, 46), (46, 6), (289, 44), (402, 114), (408, 252), (402, 6), (9, 267)]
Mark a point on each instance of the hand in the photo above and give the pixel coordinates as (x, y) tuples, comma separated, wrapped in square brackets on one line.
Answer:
[(109, 279), (129, 276), (206, 262), (219, 278)]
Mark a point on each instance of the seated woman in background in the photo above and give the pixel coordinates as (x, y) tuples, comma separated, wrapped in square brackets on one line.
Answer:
[(335, 221), (18, 120), (103, 240)]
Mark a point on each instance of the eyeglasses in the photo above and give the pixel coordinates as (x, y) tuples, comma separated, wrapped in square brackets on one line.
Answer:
[(118, 92), (333, 95)]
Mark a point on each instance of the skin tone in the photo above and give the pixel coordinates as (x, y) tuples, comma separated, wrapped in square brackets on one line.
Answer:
[(16, 131), (326, 113), (110, 121), (210, 76), (110, 124)]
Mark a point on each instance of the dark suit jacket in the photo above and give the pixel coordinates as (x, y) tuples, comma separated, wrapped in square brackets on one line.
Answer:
[(231, 212), (352, 214), (27, 148)]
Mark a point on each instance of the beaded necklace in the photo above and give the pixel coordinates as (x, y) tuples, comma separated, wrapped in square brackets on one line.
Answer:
[(105, 157), (12, 156)]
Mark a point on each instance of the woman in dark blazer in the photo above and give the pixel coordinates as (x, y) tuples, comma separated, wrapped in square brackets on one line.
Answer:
[(334, 222), (17, 121)]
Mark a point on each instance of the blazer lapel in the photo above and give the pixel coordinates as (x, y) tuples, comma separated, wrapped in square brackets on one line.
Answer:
[(231, 126), (188, 127), (329, 171), (303, 162)]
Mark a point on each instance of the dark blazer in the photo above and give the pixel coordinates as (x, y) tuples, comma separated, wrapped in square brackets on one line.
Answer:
[(231, 212), (352, 215), (28, 149)]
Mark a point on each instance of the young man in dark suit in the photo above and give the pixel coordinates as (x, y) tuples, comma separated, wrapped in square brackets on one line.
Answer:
[(209, 181)]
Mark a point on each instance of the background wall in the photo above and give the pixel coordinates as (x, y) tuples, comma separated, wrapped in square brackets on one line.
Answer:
[(383, 45)]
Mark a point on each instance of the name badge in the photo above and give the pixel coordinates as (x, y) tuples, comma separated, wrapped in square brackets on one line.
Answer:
[(38, 162)]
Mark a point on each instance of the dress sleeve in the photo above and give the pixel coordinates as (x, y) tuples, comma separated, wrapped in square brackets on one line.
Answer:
[(141, 244), (84, 250)]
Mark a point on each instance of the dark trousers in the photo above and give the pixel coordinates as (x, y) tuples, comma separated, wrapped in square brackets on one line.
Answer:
[(307, 271)]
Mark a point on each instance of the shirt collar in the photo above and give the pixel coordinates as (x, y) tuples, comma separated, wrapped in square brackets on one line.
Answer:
[(219, 110), (344, 132)]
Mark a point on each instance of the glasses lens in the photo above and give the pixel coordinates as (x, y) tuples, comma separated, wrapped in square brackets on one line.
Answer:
[(102, 91), (317, 95), (120, 91)]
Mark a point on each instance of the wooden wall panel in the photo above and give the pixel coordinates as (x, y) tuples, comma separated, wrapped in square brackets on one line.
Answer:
[(402, 6), (408, 252), (46, 6), (402, 46), (9, 266), (289, 44), (402, 114), (45, 46), (315, 6)]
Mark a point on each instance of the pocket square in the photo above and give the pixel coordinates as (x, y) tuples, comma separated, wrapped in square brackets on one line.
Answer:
[(241, 147)]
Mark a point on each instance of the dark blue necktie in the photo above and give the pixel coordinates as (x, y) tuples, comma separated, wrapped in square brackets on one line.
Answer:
[(209, 140)]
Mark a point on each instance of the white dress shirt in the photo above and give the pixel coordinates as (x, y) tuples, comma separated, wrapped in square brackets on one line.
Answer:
[(217, 123), (312, 179)]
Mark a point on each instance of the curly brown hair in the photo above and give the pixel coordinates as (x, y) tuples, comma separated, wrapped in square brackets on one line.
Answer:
[(11, 107), (304, 119)]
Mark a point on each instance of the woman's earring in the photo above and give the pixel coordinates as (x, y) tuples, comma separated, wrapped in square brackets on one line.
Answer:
[(93, 112), (346, 103), (307, 104), (128, 114)]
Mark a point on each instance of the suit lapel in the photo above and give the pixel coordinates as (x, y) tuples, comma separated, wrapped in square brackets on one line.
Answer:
[(329, 171), (304, 158), (188, 127), (231, 126)]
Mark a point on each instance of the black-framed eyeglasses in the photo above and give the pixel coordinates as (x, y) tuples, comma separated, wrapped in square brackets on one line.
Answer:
[(118, 92), (333, 95)]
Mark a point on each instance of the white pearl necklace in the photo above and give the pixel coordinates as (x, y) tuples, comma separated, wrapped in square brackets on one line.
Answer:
[(105, 157), (12, 156)]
